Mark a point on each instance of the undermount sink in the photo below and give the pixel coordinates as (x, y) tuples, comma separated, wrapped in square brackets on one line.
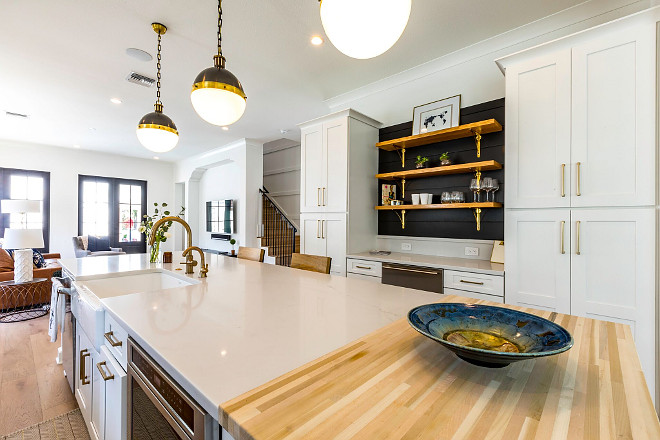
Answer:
[(144, 282)]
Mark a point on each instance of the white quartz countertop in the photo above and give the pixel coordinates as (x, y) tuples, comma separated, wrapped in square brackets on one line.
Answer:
[(248, 322), (449, 263)]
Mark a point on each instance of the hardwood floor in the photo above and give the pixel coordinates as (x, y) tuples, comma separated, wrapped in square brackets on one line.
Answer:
[(32, 385)]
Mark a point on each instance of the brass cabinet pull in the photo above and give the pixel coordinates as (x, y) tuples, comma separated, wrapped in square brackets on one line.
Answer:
[(563, 179), (563, 223), (318, 196), (83, 377), (577, 225), (113, 342), (106, 377), (322, 229), (363, 267), (472, 282), (323, 196), (318, 234), (577, 192)]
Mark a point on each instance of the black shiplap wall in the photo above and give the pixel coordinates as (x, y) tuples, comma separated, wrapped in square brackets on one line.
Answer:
[(449, 223)]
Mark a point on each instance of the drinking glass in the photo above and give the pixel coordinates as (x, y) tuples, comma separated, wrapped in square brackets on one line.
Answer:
[(475, 187), (487, 185), (457, 197), (495, 186), (445, 198)]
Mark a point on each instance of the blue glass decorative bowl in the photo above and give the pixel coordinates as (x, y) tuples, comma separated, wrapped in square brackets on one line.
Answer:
[(489, 336)]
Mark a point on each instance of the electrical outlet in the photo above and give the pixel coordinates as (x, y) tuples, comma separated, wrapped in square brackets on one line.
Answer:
[(406, 247), (472, 251)]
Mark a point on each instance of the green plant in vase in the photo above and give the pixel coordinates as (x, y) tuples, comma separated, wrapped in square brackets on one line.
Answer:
[(444, 159), (162, 234), (421, 162), (232, 242)]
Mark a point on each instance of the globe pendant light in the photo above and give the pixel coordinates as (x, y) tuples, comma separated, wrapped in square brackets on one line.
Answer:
[(217, 95), (364, 28), (156, 131)]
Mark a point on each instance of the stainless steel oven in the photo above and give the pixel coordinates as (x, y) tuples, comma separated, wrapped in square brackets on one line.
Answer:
[(158, 408), (414, 277)]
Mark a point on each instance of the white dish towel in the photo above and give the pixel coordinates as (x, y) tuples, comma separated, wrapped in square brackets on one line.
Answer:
[(57, 309)]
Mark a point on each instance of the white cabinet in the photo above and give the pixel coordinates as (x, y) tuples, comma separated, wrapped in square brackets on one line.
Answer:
[(537, 258), (97, 420), (83, 371), (613, 134), (338, 162), (325, 234), (580, 126), (538, 131), (113, 381)]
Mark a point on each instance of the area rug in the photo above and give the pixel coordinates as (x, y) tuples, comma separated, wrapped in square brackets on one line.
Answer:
[(69, 426)]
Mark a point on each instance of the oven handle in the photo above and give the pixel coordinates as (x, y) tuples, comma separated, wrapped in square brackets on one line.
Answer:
[(405, 269)]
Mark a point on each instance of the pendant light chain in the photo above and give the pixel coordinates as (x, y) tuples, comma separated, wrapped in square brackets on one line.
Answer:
[(158, 74), (219, 27)]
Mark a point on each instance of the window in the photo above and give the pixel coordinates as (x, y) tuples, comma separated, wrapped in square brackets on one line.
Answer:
[(113, 208), (26, 185)]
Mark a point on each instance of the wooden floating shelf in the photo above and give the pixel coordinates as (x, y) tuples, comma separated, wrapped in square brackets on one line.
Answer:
[(462, 131), (486, 165), (440, 206)]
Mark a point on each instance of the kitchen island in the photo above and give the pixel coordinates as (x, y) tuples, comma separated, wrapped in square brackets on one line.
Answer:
[(273, 352)]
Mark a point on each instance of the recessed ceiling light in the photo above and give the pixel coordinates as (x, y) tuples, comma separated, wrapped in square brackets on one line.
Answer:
[(317, 41), (115, 100), (225, 128), (139, 54), (284, 131), (156, 157)]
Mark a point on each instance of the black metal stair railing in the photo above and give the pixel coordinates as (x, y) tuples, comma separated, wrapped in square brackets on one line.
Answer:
[(278, 232)]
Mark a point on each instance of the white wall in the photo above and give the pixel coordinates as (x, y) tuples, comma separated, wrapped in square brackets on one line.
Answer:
[(65, 164), (234, 171), (282, 176)]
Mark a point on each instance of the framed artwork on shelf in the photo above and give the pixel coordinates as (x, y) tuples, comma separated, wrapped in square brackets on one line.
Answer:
[(437, 115)]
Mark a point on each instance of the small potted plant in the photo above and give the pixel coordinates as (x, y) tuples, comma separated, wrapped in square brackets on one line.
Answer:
[(421, 162), (232, 242), (444, 159)]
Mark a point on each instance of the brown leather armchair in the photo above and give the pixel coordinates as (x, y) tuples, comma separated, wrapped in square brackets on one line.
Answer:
[(47, 272)]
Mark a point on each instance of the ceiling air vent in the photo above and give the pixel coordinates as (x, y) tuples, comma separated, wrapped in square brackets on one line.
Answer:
[(16, 115), (140, 79)]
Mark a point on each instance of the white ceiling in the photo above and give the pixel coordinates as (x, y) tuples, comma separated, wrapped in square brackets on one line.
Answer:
[(62, 61)]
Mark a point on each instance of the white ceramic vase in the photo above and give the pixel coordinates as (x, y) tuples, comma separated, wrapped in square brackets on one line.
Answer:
[(23, 265), (415, 199), (424, 198)]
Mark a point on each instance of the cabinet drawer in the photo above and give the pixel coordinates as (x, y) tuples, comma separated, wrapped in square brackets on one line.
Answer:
[(492, 298), (475, 282), (364, 267), (363, 277), (115, 338)]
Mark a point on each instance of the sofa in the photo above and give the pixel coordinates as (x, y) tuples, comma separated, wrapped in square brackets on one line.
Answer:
[(81, 244), (43, 296)]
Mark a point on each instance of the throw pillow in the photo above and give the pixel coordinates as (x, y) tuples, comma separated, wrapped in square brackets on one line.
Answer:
[(6, 261), (97, 244), (85, 242), (38, 259)]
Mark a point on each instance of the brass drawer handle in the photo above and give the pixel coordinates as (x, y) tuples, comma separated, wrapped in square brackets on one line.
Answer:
[(563, 178), (113, 342), (578, 192), (472, 282), (323, 196), (318, 233), (318, 196), (363, 267), (83, 378), (106, 377), (323, 229), (563, 223), (577, 225)]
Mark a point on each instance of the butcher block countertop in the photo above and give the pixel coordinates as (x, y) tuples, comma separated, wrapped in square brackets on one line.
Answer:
[(397, 384)]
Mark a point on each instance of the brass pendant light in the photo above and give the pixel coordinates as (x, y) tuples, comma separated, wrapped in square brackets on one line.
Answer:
[(156, 131), (217, 95)]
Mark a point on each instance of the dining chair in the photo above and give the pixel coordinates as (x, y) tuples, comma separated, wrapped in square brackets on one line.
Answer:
[(313, 263), (248, 253)]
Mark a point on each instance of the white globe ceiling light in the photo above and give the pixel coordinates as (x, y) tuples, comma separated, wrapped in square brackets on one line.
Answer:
[(217, 95), (364, 28), (156, 131)]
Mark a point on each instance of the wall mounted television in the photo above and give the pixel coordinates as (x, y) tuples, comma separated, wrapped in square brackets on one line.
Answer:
[(220, 216)]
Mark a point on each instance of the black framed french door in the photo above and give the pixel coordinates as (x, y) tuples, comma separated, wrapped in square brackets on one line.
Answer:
[(113, 208)]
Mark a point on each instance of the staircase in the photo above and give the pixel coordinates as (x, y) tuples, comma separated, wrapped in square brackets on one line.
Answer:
[(278, 234)]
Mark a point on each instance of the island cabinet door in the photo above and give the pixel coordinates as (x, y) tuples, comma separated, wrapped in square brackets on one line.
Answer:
[(613, 113), (84, 374), (334, 235), (613, 272), (538, 132), (98, 399), (114, 383), (335, 169), (311, 169), (538, 259)]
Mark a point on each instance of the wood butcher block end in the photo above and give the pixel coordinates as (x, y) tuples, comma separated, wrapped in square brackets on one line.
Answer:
[(395, 383)]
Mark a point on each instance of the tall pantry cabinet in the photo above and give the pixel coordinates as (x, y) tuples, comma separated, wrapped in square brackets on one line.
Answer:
[(338, 189), (580, 221)]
